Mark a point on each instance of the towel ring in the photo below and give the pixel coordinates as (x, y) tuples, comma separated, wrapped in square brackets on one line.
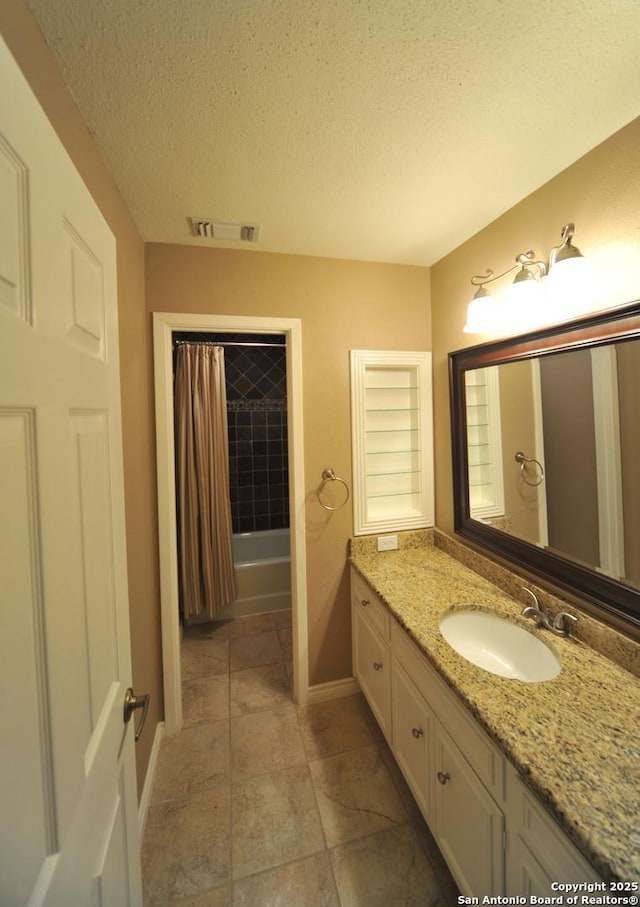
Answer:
[(328, 475), (523, 460)]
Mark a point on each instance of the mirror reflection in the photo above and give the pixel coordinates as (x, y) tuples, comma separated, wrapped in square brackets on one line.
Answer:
[(553, 446)]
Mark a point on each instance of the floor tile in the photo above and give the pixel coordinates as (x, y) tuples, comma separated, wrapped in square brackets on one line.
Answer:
[(356, 795), (217, 629), (196, 757), (202, 654), (256, 623), (254, 649), (265, 742), (335, 726), (205, 699), (388, 868), (305, 883), (261, 688), (281, 619), (186, 846), (216, 897), (286, 646), (275, 820)]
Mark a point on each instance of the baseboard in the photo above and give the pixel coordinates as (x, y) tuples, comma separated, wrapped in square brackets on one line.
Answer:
[(335, 689), (145, 799)]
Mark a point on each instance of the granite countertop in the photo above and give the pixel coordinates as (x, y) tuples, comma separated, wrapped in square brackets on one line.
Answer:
[(575, 739)]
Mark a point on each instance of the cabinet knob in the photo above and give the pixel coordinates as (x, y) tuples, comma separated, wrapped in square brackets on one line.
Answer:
[(417, 732), (365, 602), (443, 777), (377, 666)]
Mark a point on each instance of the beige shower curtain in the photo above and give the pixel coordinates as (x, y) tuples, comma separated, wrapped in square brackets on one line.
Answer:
[(207, 581)]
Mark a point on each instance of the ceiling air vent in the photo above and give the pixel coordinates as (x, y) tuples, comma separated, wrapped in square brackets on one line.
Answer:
[(214, 229)]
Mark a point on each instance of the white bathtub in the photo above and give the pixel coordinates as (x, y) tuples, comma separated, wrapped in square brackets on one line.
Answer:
[(262, 566), (270, 544)]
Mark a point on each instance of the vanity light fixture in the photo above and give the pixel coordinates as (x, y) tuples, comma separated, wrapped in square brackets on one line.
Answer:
[(528, 301)]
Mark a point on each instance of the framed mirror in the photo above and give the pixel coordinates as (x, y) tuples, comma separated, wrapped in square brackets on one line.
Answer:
[(546, 456)]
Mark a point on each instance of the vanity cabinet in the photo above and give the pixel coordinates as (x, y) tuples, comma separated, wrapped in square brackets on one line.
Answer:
[(460, 776), (495, 836), (467, 824)]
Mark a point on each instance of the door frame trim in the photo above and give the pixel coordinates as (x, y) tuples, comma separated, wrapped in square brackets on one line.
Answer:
[(164, 325)]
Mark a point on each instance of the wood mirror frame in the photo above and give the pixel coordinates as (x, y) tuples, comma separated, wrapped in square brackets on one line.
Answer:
[(609, 599)]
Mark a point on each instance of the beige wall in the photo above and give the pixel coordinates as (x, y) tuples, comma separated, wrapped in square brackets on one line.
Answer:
[(30, 51), (343, 305), (601, 194)]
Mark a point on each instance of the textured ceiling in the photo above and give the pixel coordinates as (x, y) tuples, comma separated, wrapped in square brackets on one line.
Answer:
[(388, 130)]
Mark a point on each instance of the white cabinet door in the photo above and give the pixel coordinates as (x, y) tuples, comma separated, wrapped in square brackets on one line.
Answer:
[(525, 876), (67, 790), (413, 730), (373, 669), (469, 826), (539, 851)]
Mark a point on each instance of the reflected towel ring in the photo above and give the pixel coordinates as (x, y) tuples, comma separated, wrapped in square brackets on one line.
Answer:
[(328, 475), (523, 460)]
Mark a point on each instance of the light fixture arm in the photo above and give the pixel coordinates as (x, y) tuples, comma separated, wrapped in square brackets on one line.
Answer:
[(523, 260)]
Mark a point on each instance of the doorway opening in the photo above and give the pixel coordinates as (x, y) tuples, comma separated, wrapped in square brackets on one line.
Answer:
[(247, 512)]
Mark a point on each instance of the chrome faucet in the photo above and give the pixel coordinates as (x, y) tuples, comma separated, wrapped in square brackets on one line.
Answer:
[(557, 625)]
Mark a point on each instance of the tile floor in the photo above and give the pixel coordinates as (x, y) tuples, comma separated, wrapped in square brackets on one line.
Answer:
[(258, 803)]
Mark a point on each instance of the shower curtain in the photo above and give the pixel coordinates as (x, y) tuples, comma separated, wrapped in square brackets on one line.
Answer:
[(207, 581)]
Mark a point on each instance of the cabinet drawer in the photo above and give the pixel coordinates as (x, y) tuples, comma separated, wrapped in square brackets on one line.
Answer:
[(483, 756), (367, 603)]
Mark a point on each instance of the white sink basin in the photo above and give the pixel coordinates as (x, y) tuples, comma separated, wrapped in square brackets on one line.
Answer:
[(498, 645)]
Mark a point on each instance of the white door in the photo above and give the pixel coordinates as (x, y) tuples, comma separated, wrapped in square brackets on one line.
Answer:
[(68, 823)]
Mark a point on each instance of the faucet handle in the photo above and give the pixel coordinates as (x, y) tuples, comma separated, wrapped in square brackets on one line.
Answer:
[(560, 622), (536, 604)]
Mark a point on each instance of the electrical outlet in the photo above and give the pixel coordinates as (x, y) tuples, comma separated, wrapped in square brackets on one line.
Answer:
[(387, 542)]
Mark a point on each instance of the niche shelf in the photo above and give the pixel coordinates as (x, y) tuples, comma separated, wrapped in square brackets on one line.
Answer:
[(392, 427), (484, 443)]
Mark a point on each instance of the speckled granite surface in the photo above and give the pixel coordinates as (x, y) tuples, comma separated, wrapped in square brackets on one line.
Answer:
[(575, 739)]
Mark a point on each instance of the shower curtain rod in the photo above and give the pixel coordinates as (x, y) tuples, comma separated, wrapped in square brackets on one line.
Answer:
[(230, 343)]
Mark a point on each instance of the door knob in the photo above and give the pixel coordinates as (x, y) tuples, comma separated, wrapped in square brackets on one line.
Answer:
[(133, 702), (443, 777), (417, 732)]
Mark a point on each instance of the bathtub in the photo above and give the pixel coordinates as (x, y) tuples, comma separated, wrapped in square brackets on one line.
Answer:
[(262, 567)]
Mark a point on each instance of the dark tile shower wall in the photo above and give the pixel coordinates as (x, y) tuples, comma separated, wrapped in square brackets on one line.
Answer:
[(257, 416)]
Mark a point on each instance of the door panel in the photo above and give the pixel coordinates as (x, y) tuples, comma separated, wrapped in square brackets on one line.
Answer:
[(26, 793), (68, 790), (14, 235), (88, 455)]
